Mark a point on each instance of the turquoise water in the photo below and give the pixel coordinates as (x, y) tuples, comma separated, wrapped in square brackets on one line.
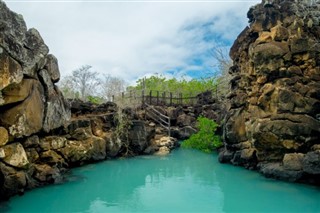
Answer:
[(184, 181)]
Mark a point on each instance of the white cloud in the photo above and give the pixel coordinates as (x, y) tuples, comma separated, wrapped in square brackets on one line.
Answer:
[(129, 40)]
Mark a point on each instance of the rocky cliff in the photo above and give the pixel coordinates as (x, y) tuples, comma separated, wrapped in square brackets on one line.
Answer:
[(30, 102), (273, 123), (42, 135)]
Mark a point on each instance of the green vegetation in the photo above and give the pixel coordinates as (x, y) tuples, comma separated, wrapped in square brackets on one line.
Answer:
[(205, 139), (95, 99), (185, 87)]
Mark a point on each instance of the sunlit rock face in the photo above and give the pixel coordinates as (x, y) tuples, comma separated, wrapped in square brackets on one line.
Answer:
[(39, 138), (30, 104), (29, 100), (274, 105)]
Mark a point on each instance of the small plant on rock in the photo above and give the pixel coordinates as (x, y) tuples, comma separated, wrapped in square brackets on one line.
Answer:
[(205, 139)]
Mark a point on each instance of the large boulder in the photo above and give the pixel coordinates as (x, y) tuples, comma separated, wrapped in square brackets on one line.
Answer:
[(57, 112), (11, 181), (4, 136), (138, 136), (15, 155), (25, 118)]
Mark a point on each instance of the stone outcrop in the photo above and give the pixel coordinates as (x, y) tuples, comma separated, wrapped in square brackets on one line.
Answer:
[(273, 122), (38, 138), (42, 135), (29, 100), (30, 105)]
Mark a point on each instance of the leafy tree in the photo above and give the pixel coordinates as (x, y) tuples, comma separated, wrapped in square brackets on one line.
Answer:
[(163, 84), (205, 139)]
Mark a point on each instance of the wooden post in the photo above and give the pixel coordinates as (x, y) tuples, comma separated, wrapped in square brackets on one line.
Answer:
[(112, 98), (170, 98), (169, 127), (180, 97), (157, 97), (216, 92), (150, 95), (164, 98), (122, 94), (142, 97)]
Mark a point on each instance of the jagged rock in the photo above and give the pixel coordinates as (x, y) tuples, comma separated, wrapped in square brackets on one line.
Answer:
[(185, 120), (47, 174), (113, 144), (225, 156), (183, 132), (50, 157), (52, 142), (10, 70), (18, 92), (56, 109), (31, 142), (79, 152), (32, 154), (163, 150), (15, 155), (293, 161), (311, 162), (26, 118), (36, 50), (274, 100), (52, 67), (174, 112), (138, 136), (13, 183), (276, 170), (4, 136), (81, 133), (164, 143), (79, 107), (25, 46)]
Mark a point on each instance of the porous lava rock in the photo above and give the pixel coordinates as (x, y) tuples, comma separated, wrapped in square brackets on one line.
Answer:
[(274, 104)]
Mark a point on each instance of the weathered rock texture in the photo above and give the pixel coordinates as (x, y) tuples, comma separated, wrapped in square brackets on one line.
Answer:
[(30, 104), (273, 123), (39, 139)]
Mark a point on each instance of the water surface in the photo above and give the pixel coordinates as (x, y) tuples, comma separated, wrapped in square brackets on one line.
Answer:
[(184, 181)]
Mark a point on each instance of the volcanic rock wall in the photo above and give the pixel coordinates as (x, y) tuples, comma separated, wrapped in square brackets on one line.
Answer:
[(273, 122), (39, 140), (30, 102)]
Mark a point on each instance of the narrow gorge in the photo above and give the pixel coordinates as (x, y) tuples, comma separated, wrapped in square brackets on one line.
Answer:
[(270, 120)]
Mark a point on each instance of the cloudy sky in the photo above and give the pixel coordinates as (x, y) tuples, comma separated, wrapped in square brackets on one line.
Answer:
[(131, 39)]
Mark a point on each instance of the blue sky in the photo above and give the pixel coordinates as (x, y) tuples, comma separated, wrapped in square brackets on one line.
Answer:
[(132, 39)]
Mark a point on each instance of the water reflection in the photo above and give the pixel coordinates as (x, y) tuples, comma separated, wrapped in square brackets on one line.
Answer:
[(185, 181), (144, 182)]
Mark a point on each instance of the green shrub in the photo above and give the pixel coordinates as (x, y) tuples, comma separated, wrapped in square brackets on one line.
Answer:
[(95, 99), (205, 139)]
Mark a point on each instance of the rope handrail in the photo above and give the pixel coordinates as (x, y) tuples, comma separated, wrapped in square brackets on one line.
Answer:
[(157, 116)]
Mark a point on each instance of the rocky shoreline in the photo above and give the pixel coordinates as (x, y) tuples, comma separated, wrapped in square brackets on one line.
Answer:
[(42, 135), (270, 121)]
